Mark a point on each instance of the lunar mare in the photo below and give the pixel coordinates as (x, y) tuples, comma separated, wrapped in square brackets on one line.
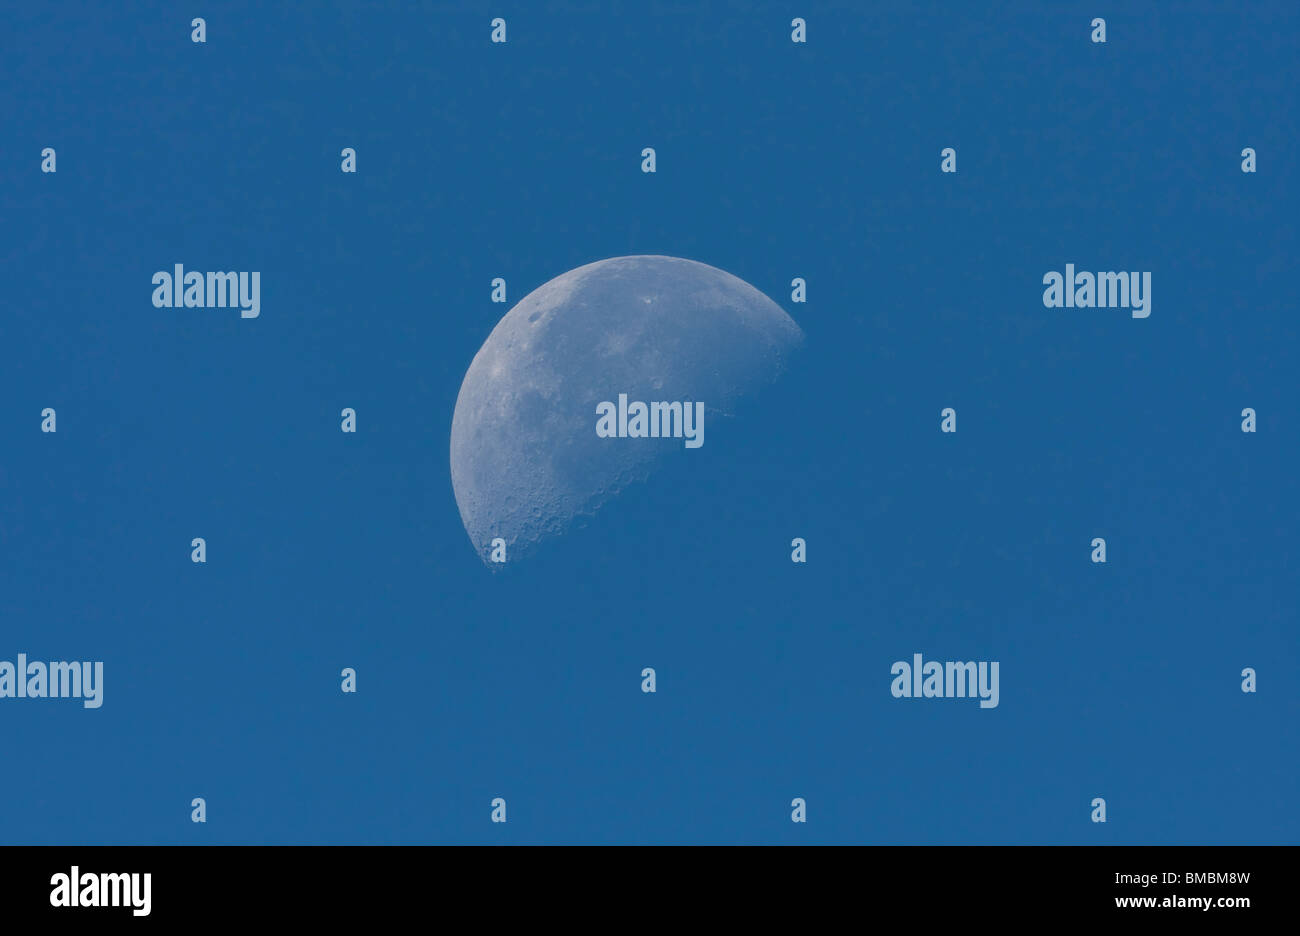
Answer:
[(525, 457)]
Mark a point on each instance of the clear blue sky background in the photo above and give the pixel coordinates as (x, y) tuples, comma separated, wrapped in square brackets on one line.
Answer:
[(775, 160)]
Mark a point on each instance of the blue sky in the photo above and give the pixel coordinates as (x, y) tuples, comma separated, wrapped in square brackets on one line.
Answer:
[(775, 160)]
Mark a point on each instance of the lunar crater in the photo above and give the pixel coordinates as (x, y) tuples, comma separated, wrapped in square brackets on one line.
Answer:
[(526, 463)]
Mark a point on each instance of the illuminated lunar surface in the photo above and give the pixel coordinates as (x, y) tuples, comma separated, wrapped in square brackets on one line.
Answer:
[(525, 457)]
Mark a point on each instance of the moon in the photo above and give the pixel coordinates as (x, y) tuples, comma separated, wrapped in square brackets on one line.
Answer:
[(525, 457)]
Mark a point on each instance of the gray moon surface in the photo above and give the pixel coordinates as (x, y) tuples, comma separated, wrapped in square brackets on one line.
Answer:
[(525, 457)]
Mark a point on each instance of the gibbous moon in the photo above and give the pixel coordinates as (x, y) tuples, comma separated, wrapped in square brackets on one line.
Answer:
[(525, 457)]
